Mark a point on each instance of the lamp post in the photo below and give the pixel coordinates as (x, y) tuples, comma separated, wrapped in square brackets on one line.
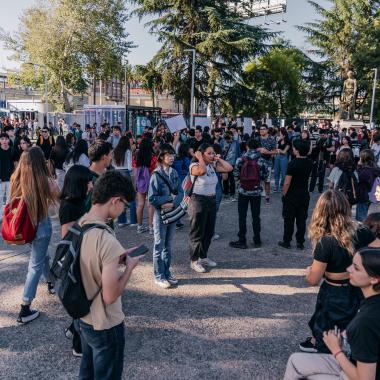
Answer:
[(373, 98), (192, 105), (46, 89)]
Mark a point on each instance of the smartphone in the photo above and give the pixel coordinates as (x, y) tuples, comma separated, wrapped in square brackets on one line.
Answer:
[(139, 251)]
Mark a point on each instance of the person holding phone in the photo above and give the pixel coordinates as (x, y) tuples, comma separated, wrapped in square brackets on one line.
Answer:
[(165, 192), (102, 330), (202, 209)]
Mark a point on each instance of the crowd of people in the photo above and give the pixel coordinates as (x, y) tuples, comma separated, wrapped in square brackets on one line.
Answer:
[(107, 177)]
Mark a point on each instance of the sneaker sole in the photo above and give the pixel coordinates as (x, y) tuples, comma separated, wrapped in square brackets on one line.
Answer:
[(28, 319), (77, 354), (309, 350)]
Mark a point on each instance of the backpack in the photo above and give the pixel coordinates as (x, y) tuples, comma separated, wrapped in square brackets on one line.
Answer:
[(142, 181), (65, 270), (348, 184), (17, 227), (249, 174), (371, 194)]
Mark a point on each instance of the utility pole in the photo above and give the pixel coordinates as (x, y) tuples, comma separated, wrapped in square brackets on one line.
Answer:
[(192, 100)]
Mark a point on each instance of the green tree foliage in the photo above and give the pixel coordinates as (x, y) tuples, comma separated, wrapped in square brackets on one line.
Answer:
[(149, 77), (348, 38), (76, 40), (223, 43)]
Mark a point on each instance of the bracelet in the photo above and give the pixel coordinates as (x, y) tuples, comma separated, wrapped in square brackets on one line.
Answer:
[(337, 353)]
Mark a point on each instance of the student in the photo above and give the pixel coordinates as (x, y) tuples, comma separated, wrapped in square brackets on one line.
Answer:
[(79, 155), (202, 209), (231, 152), (122, 162), (165, 192), (355, 351), (102, 330), (6, 169), (58, 156), (268, 151), (250, 193), (100, 153), (373, 223), (76, 186), (24, 144), (46, 142), (281, 160), (296, 195), (31, 182), (115, 137)]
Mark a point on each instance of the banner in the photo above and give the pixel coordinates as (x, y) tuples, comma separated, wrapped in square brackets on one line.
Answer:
[(247, 125), (202, 121), (176, 123)]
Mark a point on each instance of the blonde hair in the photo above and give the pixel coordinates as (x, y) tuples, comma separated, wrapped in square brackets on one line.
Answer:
[(30, 182), (332, 217)]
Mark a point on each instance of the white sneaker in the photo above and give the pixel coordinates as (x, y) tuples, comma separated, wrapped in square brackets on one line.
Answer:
[(164, 284), (215, 237), (141, 229), (198, 267), (208, 262), (172, 280)]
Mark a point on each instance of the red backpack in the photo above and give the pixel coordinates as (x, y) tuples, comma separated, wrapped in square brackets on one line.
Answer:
[(17, 227), (249, 174)]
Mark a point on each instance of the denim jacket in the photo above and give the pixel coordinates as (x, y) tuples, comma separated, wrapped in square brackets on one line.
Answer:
[(159, 192), (232, 152)]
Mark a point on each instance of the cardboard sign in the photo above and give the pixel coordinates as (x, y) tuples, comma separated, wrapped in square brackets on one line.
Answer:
[(176, 123), (247, 125), (202, 121)]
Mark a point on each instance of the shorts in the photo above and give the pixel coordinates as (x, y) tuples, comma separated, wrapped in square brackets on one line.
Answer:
[(270, 167)]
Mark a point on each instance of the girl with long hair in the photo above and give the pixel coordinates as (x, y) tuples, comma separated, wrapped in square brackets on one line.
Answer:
[(79, 155), (58, 156), (145, 164), (31, 182), (354, 351), (281, 159), (334, 237), (122, 162), (24, 144), (202, 208)]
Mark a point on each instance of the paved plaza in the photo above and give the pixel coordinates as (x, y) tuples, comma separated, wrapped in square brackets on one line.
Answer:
[(239, 321)]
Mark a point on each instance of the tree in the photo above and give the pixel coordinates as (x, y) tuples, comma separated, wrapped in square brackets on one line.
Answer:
[(150, 79), (348, 38), (76, 40), (223, 44)]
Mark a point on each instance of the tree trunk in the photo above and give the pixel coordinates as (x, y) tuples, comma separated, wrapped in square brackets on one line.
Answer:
[(65, 98)]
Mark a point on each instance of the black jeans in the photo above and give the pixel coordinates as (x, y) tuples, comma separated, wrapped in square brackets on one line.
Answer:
[(318, 172), (294, 209), (243, 203), (202, 212), (103, 352), (229, 185)]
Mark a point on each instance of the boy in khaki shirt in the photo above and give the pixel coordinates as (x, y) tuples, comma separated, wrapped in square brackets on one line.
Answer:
[(102, 330)]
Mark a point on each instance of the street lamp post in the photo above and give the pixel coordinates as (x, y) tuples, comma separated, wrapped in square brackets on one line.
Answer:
[(46, 89), (192, 105), (373, 98)]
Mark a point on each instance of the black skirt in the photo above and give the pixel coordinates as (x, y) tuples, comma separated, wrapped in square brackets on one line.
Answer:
[(336, 306)]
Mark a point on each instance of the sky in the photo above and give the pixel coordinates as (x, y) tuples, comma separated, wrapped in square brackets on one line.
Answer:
[(298, 12)]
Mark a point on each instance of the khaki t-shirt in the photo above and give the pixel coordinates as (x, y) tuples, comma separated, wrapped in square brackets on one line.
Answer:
[(99, 247)]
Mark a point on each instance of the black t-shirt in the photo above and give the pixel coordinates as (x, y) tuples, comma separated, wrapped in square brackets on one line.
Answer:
[(6, 164), (337, 258), (299, 169), (363, 333), (71, 210)]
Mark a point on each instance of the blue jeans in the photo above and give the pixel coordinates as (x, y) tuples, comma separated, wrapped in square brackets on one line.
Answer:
[(103, 352), (162, 247), (362, 211), (280, 166), (39, 260), (218, 194)]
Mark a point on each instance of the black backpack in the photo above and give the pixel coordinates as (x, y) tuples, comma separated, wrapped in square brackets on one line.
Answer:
[(65, 270), (348, 184)]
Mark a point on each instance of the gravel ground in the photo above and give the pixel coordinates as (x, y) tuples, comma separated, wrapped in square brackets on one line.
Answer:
[(239, 321)]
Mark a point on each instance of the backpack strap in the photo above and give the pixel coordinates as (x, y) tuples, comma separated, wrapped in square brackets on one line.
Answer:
[(167, 182)]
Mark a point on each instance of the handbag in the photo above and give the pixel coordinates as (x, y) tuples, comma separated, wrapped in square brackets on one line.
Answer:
[(17, 226)]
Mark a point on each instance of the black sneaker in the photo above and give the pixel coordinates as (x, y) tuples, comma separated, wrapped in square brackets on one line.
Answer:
[(238, 244), (300, 246), (27, 315), (308, 346), (284, 245), (50, 288)]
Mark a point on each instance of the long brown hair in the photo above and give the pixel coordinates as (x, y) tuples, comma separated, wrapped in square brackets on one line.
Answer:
[(30, 181), (332, 217)]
